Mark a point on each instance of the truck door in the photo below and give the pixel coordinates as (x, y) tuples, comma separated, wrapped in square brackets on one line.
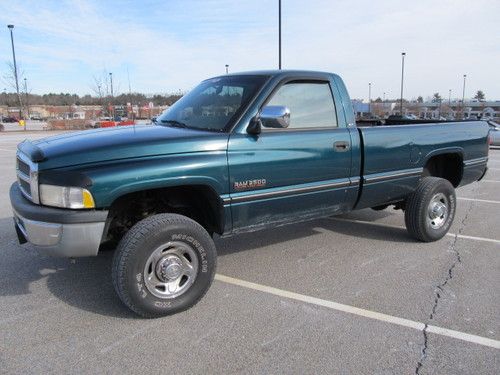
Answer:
[(292, 174)]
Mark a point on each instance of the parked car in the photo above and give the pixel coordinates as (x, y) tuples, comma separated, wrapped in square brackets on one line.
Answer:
[(494, 133), (285, 149), (9, 119)]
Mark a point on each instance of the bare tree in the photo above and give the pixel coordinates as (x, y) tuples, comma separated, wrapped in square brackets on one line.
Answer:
[(9, 78)]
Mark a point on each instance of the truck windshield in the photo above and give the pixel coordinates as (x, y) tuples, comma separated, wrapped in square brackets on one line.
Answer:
[(214, 104)]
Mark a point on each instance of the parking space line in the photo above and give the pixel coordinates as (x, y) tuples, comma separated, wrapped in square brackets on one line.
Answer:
[(4, 149), (490, 181), (361, 312), (478, 200), (383, 225)]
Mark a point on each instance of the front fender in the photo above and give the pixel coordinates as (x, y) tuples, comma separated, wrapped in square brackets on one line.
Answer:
[(116, 179)]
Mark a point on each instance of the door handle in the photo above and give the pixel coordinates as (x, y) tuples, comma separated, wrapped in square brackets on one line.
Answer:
[(341, 146)]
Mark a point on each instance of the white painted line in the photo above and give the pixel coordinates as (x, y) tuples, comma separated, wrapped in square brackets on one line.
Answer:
[(4, 149), (361, 312), (497, 181), (478, 200), (494, 169), (383, 225)]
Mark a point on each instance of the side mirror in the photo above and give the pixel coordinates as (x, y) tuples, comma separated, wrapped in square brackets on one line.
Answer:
[(275, 116)]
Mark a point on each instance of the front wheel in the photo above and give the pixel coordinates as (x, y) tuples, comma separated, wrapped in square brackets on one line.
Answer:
[(163, 265), (430, 209)]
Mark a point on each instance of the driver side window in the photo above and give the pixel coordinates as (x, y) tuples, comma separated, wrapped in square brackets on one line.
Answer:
[(311, 104)]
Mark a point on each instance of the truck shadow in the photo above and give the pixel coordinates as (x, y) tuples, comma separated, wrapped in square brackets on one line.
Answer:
[(86, 282), (343, 225)]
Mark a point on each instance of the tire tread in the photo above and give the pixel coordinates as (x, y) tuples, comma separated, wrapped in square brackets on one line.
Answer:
[(128, 244)]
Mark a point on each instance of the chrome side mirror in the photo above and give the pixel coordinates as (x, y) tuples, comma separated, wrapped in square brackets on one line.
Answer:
[(275, 116)]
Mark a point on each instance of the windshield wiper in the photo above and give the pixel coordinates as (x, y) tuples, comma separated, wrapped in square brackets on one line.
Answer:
[(175, 123)]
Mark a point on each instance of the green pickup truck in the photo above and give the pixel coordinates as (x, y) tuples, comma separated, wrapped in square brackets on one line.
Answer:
[(239, 153)]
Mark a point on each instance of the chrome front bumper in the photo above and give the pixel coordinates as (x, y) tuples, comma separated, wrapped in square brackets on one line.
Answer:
[(57, 232), (63, 240)]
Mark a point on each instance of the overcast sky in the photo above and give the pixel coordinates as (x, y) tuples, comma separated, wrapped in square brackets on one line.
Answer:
[(171, 45)]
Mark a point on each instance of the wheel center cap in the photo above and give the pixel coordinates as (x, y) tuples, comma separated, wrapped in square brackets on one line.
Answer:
[(169, 268), (439, 210)]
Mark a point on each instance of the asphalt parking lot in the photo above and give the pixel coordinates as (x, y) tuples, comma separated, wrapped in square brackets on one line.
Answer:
[(349, 295)]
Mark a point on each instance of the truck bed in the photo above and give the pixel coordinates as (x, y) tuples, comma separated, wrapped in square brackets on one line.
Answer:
[(394, 157)]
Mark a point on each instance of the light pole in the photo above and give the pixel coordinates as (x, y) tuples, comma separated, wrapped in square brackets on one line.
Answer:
[(449, 104), (463, 98), (279, 34), (403, 54), (112, 97), (15, 69), (26, 97), (370, 98), (227, 68), (111, 82), (384, 97), (439, 108)]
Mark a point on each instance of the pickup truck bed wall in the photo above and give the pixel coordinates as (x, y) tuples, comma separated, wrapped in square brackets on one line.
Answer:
[(394, 157)]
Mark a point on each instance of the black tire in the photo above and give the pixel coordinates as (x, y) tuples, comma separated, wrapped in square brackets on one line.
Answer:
[(135, 250), (431, 192)]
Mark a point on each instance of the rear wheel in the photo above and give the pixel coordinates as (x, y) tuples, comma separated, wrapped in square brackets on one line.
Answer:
[(163, 265), (430, 209)]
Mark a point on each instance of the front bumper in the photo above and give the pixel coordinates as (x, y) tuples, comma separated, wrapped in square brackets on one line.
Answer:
[(55, 231)]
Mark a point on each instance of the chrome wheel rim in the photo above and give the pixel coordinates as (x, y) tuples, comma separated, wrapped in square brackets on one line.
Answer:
[(171, 269), (437, 213)]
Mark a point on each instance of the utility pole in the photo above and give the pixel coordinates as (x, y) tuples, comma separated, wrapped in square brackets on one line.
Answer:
[(15, 71), (279, 34), (403, 54), (227, 68)]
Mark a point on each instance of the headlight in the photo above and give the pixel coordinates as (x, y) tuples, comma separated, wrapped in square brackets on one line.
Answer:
[(65, 197)]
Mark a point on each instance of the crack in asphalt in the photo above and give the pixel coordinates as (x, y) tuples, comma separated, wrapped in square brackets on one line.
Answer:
[(439, 290)]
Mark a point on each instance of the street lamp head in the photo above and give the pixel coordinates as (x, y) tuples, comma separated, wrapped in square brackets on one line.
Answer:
[(465, 75), (403, 53), (227, 65), (10, 26)]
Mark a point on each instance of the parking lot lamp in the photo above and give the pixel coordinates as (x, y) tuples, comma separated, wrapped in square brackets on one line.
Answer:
[(403, 54), (15, 69), (227, 68), (279, 34), (463, 97), (112, 97), (369, 97)]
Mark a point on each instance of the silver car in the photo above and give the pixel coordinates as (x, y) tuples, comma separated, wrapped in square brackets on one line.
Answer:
[(494, 133)]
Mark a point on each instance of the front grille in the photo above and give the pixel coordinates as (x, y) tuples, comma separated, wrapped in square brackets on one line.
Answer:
[(27, 177), (23, 167)]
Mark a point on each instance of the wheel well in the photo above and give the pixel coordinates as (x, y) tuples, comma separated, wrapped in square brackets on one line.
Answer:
[(447, 166), (198, 202)]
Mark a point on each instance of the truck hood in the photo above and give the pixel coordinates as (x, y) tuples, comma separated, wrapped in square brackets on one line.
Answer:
[(91, 146)]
